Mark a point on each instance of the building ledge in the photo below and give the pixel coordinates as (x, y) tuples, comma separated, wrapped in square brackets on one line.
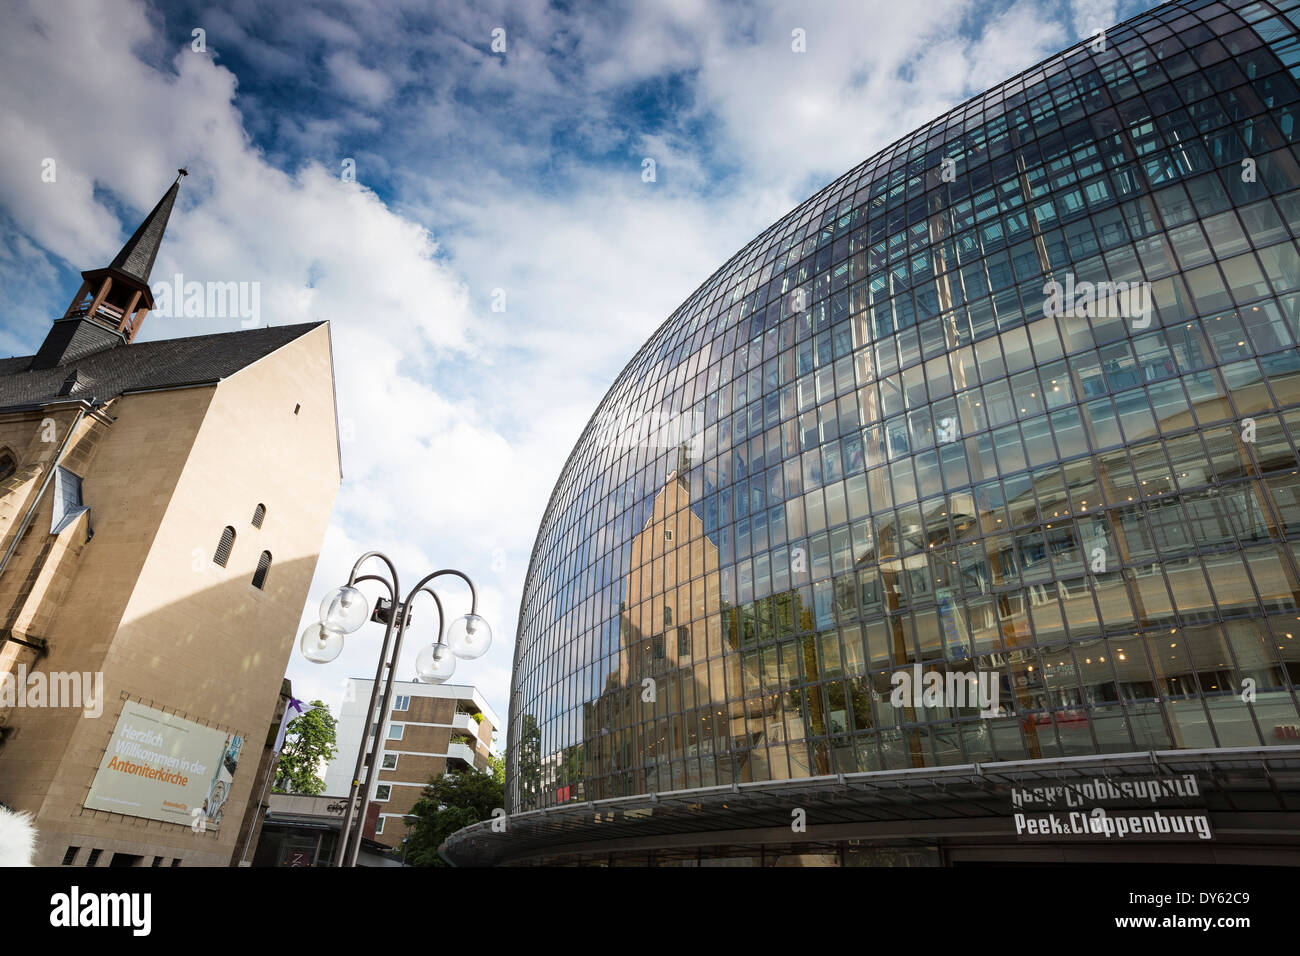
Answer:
[(1252, 795)]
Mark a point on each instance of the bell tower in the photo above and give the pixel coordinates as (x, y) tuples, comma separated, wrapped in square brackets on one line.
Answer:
[(111, 304)]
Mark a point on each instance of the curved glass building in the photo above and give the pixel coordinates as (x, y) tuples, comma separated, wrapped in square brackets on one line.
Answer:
[(1016, 400)]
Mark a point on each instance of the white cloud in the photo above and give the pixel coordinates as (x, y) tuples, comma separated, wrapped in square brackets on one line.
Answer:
[(1089, 16), (353, 80), (425, 479)]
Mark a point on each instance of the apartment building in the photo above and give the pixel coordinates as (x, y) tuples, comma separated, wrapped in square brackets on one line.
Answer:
[(431, 729)]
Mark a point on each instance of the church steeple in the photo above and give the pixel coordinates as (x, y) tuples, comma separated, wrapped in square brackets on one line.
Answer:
[(135, 261), (112, 302)]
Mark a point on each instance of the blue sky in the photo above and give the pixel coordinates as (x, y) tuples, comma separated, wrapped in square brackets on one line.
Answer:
[(476, 171)]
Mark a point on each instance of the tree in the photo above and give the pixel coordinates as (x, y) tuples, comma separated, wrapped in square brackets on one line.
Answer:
[(448, 804), (309, 741), (498, 764)]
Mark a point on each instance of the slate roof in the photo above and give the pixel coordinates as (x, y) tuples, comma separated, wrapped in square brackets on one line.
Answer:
[(199, 359), (137, 256)]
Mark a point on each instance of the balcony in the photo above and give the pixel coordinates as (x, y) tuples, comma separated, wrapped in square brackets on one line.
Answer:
[(466, 723), (456, 751)]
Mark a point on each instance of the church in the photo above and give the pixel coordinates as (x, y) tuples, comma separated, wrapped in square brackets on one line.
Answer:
[(162, 508)]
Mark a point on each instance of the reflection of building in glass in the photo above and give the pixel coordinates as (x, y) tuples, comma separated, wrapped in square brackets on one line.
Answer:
[(900, 456), (669, 704)]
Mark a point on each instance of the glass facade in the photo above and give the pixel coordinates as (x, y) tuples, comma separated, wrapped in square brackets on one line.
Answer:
[(869, 442)]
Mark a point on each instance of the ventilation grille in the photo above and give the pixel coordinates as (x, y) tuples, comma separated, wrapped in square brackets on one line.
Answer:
[(263, 566), (224, 546)]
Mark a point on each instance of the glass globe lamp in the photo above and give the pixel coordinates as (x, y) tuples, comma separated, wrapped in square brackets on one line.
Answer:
[(469, 637), (345, 609), (435, 664), (321, 643)]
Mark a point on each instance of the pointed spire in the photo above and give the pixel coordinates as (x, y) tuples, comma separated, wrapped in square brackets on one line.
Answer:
[(112, 302), (137, 256)]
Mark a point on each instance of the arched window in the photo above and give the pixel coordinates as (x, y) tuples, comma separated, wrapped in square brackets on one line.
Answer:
[(259, 514), (263, 566), (224, 546), (8, 463)]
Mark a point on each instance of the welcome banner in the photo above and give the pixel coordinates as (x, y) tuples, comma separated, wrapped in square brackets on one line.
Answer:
[(164, 767)]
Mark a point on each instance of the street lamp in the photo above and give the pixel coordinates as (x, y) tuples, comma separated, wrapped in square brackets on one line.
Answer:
[(342, 612)]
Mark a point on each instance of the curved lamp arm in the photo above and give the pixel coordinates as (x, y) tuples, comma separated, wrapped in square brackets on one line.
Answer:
[(473, 595), (395, 589), (353, 580), (436, 600)]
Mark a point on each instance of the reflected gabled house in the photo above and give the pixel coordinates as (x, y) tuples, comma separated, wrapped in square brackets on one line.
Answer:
[(668, 699), (691, 694)]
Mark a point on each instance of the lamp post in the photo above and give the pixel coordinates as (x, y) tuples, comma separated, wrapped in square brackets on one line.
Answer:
[(343, 611), (407, 818)]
